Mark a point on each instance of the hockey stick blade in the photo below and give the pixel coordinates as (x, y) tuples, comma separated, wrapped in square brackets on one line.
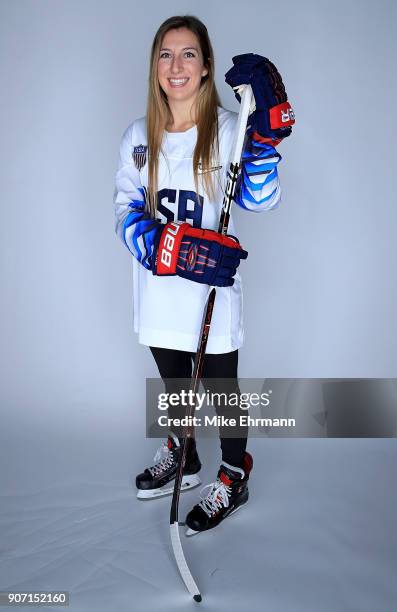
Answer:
[(181, 562)]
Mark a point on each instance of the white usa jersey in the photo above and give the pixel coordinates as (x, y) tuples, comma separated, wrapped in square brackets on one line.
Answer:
[(168, 310)]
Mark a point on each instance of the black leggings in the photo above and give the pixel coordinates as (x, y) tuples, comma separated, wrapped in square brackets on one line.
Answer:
[(179, 364)]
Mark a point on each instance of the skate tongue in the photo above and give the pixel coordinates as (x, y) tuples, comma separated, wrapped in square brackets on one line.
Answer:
[(232, 472), (227, 476), (229, 473), (172, 441), (224, 478)]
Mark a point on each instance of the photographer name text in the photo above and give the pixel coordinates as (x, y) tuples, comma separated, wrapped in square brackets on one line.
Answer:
[(221, 421)]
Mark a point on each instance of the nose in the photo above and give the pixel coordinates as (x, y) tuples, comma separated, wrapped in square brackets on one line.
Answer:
[(175, 65)]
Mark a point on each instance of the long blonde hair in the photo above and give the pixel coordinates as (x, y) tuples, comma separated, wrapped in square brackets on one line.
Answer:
[(159, 113)]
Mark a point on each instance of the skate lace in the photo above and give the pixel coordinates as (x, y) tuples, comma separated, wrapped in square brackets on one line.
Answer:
[(164, 458), (217, 498)]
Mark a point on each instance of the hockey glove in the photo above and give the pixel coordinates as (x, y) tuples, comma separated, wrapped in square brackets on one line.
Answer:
[(273, 116), (200, 255)]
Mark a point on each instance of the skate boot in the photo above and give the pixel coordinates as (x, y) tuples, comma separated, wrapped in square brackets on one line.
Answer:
[(158, 480), (227, 494)]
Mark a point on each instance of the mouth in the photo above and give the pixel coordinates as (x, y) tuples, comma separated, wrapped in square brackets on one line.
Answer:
[(178, 82)]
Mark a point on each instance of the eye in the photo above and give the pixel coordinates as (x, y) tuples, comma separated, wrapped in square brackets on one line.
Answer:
[(164, 55), (189, 54)]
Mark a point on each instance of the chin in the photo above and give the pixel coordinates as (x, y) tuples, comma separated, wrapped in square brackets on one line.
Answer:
[(180, 96)]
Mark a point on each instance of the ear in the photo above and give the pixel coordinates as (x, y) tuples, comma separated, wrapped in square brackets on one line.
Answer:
[(204, 72)]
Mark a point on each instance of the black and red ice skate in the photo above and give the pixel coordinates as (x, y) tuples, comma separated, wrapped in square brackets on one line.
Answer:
[(158, 480), (227, 494)]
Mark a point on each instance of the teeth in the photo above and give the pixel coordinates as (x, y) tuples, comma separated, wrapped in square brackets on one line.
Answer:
[(178, 81)]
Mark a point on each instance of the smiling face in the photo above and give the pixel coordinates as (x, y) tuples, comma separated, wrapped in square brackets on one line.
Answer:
[(180, 66)]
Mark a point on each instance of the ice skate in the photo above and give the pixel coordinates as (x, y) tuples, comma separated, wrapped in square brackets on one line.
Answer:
[(158, 480), (226, 495)]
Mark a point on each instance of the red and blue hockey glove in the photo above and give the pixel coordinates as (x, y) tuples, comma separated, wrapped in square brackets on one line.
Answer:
[(273, 116), (200, 255)]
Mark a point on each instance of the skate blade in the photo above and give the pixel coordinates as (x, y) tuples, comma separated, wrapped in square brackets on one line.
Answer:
[(190, 532), (189, 481)]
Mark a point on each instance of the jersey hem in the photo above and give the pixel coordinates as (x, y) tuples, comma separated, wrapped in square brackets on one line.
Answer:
[(186, 342)]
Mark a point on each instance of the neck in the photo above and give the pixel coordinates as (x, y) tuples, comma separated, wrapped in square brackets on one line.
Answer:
[(183, 115)]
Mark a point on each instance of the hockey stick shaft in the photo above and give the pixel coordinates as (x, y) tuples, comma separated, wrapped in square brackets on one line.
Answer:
[(240, 132)]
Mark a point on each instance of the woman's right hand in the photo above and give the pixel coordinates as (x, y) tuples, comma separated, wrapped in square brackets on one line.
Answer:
[(200, 255)]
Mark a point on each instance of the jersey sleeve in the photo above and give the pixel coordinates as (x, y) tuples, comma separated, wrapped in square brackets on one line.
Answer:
[(258, 186), (133, 224)]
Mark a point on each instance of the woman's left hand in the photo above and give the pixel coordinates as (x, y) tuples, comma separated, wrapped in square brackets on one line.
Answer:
[(273, 116)]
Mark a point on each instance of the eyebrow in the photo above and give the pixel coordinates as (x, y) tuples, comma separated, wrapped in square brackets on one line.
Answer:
[(184, 49)]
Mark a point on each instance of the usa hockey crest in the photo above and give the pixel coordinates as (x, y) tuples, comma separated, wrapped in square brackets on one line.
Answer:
[(139, 156)]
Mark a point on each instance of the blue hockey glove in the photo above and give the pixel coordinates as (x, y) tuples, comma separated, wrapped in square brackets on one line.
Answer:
[(273, 116)]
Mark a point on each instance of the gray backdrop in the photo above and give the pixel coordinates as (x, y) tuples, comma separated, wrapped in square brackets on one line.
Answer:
[(320, 297)]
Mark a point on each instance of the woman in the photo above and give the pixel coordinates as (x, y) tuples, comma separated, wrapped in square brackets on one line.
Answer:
[(169, 192)]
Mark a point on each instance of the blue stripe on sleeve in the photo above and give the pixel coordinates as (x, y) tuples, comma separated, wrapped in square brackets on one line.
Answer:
[(145, 229), (255, 190)]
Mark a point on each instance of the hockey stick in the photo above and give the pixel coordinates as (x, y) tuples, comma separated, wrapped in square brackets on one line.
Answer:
[(245, 109)]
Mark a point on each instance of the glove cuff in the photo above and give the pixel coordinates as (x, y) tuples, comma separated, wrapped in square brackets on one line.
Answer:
[(256, 137)]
